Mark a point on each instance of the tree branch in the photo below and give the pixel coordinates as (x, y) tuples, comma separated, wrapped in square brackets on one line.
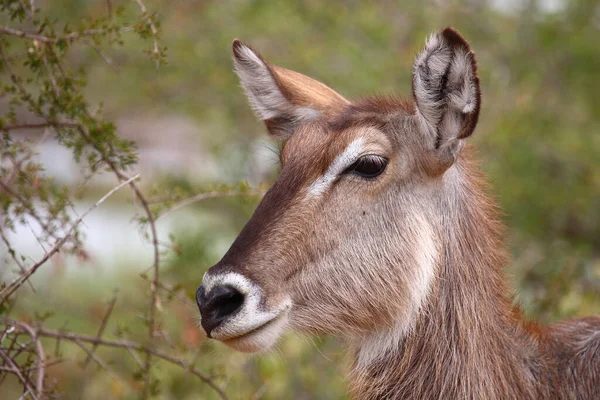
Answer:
[(14, 285), (98, 360), (156, 50), (155, 264), (6, 30), (17, 372), (40, 356), (210, 195), (111, 307), (41, 125), (127, 344)]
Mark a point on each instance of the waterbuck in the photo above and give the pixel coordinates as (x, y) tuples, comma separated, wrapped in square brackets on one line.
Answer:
[(379, 229)]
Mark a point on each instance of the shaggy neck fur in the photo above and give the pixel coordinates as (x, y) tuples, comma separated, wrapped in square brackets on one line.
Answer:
[(466, 342)]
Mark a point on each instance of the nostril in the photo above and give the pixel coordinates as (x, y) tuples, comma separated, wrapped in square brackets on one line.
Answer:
[(220, 303), (224, 300)]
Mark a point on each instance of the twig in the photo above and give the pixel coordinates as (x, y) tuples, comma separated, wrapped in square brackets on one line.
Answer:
[(14, 285), (37, 238), (152, 28), (105, 157), (98, 360), (155, 244), (137, 359), (14, 257), (184, 299), (106, 59), (24, 395), (64, 335), (121, 176), (111, 306), (6, 30), (17, 372), (41, 357), (7, 331), (39, 126), (50, 74), (46, 227), (16, 166), (45, 365), (13, 77), (210, 195)]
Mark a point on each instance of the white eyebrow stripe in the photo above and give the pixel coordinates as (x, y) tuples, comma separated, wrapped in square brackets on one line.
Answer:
[(339, 164)]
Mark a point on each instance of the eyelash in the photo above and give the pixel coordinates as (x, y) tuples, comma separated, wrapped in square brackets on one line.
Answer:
[(369, 166)]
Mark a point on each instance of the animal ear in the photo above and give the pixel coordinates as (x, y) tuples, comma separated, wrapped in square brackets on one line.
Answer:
[(447, 93), (280, 97)]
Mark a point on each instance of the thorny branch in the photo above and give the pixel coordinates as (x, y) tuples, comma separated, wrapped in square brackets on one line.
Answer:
[(14, 257), (50, 39), (81, 124), (15, 284), (124, 344), (156, 263), (149, 217), (97, 360), (156, 49), (111, 307), (38, 126), (173, 292), (41, 357), (17, 371), (210, 195), (123, 178)]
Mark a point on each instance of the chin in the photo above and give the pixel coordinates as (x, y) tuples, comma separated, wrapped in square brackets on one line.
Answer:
[(259, 339)]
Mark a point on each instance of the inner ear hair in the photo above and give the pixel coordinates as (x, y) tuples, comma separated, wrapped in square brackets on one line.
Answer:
[(281, 97), (446, 91)]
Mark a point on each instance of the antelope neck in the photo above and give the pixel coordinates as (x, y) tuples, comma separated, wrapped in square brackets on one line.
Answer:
[(466, 341)]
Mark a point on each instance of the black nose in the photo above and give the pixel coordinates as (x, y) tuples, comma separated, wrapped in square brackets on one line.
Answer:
[(220, 303)]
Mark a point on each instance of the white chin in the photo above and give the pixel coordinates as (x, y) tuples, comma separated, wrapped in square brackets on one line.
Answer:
[(261, 338)]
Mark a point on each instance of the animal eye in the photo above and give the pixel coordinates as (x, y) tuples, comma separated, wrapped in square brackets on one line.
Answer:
[(369, 166)]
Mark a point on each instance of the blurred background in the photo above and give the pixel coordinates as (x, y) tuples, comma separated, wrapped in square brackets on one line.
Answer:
[(538, 141)]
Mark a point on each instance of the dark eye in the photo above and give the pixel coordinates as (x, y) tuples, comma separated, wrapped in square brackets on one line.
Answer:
[(369, 166)]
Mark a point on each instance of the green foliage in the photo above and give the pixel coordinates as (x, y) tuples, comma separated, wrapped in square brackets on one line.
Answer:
[(41, 84)]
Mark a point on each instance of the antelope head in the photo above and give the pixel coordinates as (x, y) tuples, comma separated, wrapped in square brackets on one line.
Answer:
[(347, 240)]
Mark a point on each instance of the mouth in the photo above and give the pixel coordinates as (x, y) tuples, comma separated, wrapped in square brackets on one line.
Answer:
[(258, 338)]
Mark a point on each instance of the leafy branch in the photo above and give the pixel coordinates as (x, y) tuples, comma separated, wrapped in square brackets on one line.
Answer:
[(42, 92)]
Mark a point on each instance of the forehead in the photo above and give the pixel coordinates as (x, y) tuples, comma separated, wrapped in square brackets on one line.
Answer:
[(370, 119)]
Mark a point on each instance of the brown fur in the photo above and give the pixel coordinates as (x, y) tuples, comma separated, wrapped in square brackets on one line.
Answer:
[(409, 266), (303, 91), (469, 342)]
